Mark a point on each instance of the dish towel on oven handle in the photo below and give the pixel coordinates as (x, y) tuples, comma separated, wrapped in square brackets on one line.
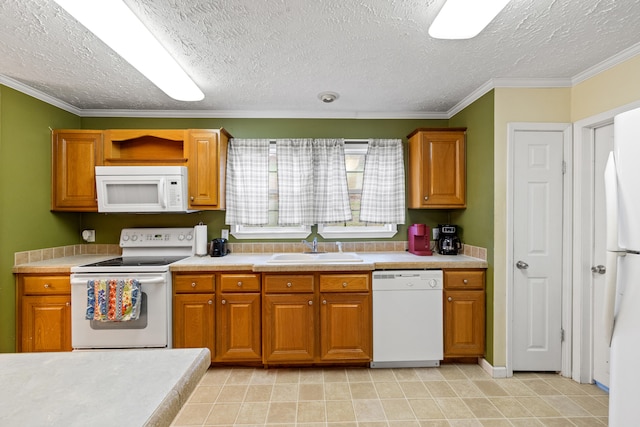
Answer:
[(113, 300)]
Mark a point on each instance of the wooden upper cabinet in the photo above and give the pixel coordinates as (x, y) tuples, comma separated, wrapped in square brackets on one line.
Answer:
[(437, 168), (75, 154), (146, 147), (207, 168)]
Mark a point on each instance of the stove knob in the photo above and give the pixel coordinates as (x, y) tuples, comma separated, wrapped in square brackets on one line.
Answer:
[(189, 236), (181, 237), (134, 237), (125, 237)]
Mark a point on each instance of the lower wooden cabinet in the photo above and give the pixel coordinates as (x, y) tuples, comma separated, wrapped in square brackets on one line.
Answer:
[(289, 328), (43, 313), (239, 334), (464, 313), (325, 323), (194, 311), (193, 321)]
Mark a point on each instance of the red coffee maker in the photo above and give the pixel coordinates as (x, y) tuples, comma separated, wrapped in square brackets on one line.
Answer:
[(419, 239)]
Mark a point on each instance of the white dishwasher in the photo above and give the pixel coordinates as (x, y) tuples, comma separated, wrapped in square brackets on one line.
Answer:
[(407, 318)]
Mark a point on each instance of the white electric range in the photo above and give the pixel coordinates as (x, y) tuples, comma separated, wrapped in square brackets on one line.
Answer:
[(146, 256)]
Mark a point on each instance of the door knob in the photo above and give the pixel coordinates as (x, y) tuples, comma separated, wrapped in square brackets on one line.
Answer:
[(600, 269), (522, 265)]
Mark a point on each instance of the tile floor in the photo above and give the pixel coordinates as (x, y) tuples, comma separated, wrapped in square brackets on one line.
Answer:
[(451, 395)]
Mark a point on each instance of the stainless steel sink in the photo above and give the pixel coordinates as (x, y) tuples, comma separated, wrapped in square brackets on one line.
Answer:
[(311, 258)]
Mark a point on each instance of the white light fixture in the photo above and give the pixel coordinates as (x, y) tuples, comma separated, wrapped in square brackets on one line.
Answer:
[(116, 25), (464, 19)]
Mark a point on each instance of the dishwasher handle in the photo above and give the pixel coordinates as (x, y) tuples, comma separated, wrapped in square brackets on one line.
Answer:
[(154, 281)]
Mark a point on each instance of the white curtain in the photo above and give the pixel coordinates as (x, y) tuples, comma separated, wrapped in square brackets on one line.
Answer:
[(247, 182), (295, 181), (331, 203), (383, 194), (312, 182)]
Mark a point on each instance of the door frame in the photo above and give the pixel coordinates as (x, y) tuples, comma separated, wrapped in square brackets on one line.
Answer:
[(583, 146), (567, 215)]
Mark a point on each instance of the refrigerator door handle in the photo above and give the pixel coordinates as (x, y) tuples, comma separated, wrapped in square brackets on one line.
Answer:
[(610, 283)]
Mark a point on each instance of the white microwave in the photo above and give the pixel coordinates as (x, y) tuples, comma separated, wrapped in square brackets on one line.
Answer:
[(140, 189)]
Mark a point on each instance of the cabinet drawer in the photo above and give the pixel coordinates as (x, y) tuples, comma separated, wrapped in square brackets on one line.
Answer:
[(239, 282), (46, 285), (464, 279), (194, 283), (288, 283), (344, 282)]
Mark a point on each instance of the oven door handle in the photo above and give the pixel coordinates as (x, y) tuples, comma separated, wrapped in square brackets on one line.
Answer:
[(154, 281)]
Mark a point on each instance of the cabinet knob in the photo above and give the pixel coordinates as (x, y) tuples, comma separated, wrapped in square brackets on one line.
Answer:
[(324, 301), (210, 302), (67, 304), (192, 198), (344, 284), (449, 299), (239, 284), (465, 281), (47, 286), (426, 197), (288, 284), (310, 302), (224, 301), (193, 284)]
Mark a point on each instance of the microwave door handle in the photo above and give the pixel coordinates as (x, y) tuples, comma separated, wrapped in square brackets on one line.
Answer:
[(162, 196)]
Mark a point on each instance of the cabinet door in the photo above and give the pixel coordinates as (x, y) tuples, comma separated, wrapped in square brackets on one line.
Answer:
[(75, 156), (289, 328), (345, 327), (239, 335), (193, 321), (206, 171), (46, 323), (464, 323), (437, 170)]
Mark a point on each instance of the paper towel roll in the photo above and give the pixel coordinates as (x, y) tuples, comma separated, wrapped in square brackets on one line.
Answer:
[(201, 239)]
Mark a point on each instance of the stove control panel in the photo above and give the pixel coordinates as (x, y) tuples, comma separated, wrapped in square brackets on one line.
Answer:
[(156, 237)]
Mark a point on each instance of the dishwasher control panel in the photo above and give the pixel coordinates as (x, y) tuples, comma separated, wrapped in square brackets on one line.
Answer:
[(407, 279)]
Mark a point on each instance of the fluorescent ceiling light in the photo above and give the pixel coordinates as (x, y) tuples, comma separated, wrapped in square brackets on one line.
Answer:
[(464, 19), (116, 25)]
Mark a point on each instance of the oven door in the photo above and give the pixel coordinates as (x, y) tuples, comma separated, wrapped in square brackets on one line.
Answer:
[(151, 329)]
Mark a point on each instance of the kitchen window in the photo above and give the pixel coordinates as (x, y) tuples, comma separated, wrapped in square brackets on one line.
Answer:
[(355, 155)]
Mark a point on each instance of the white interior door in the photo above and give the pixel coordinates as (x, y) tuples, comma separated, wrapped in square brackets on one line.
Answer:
[(603, 144), (536, 330)]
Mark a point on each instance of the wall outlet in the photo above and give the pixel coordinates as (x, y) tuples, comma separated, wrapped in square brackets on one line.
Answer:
[(89, 236), (224, 234)]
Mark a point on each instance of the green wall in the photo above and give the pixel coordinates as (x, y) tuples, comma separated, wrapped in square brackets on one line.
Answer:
[(476, 222), (26, 222), (25, 192)]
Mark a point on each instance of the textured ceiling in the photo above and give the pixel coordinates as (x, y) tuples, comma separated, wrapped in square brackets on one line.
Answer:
[(262, 57)]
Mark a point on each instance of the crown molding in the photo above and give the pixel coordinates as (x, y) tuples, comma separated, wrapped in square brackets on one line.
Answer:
[(255, 114), (611, 62), (35, 93)]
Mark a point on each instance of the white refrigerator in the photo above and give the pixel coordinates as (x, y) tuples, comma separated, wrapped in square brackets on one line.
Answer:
[(622, 289)]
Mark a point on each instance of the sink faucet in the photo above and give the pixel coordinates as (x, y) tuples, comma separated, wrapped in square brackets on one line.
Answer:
[(313, 245)]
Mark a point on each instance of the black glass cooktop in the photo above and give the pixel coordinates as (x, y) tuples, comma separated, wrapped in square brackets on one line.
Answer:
[(135, 261)]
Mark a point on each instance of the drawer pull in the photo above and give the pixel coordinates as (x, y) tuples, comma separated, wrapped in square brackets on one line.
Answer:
[(193, 284), (344, 284), (465, 281), (288, 284), (239, 284), (47, 286)]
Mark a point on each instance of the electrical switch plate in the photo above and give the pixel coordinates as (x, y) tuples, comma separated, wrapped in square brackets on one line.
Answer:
[(225, 234), (89, 236)]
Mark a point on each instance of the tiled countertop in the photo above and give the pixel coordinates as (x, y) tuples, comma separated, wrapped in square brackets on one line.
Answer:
[(370, 261), (258, 262), (98, 388)]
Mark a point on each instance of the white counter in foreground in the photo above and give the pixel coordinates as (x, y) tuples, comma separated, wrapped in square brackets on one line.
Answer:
[(98, 388)]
